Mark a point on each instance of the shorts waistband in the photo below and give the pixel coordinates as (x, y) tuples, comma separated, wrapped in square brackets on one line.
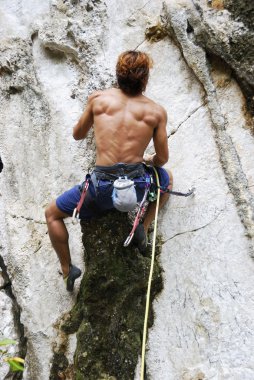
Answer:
[(118, 170)]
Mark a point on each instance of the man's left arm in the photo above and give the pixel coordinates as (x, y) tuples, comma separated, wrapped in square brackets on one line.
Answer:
[(86, 121), (160, 139)]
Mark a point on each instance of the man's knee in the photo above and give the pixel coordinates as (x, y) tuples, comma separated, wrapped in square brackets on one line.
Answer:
[(49, 213), (52, 213)]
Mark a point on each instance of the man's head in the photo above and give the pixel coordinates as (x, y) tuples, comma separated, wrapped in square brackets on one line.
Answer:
[(132, 71)]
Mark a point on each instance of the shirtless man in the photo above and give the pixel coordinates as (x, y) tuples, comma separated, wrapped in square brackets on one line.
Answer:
[(124, 122)]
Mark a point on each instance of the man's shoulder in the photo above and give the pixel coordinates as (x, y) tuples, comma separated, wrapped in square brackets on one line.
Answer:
[(158, 108), (100, 94), (107, 91), (94, 95)]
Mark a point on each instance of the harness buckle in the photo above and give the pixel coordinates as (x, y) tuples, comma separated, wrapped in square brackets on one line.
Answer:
[(75, 216)]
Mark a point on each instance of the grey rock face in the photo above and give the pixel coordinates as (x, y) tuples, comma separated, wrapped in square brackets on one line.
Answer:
[(53, 54)]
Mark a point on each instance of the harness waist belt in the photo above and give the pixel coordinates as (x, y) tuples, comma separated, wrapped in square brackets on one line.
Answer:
[(119, 170)]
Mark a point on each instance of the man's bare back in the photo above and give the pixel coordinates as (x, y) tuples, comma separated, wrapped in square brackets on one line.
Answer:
[(123, 127)]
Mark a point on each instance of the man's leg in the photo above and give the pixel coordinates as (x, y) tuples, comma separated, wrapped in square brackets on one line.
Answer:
[(59, 236), (60, 240), (150, 213)]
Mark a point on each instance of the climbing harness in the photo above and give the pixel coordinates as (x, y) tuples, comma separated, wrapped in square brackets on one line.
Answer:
[(124, 194), (76, 211), (150, 279), (121, 176)]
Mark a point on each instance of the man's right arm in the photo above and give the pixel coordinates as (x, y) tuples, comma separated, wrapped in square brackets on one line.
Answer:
[(86, 121)]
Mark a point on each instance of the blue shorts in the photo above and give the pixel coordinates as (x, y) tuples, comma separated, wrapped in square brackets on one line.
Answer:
[(98, 201)]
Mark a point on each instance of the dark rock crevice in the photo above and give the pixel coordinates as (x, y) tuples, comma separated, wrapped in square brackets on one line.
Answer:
[(19, 327), (174, 131), (29, 219), (1, 165), (61, 369), (195, 229)]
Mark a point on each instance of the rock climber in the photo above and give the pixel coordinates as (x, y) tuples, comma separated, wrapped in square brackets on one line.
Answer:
[(124, 122)]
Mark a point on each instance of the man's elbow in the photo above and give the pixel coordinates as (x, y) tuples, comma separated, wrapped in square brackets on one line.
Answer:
[(76, 133), (165, 158), (160, 161)]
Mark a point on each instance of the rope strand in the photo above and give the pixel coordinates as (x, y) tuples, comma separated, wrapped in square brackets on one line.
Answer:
[(148, 294)]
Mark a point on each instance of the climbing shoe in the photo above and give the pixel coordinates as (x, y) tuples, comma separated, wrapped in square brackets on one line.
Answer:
[(74, 273), (140, 238)]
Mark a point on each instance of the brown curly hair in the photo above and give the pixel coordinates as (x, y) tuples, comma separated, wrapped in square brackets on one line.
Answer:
[(132, 71)]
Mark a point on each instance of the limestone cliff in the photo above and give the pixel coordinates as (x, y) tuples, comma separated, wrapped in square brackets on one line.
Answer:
[(53, 54)]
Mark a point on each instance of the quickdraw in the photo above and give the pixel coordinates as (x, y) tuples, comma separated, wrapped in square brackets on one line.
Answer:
[(140, 213), (76, 211), (179, 193)]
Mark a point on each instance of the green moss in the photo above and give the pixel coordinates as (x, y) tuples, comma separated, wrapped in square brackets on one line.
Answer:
[(109, 313), (59, 365)]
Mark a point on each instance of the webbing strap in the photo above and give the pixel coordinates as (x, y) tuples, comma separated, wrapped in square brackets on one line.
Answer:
[(83, 194), (76, 211)]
